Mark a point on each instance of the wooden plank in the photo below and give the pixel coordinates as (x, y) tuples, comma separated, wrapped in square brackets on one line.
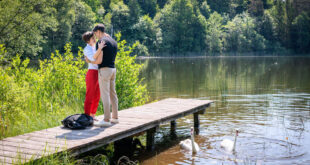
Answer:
[(126, 134), (35, 140), (5, 160), (72, 137), (26, 146), (132, 121), (17, 156), (22, 150), (42, 139), (182, 114), (111, 135), (34, 143), (101, 142)]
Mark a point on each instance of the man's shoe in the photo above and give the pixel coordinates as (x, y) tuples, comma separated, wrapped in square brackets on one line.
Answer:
[(102, 124), (115, 121)]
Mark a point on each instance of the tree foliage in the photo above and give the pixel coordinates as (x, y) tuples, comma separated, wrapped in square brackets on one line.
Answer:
[(179, 23), (215, 33), (34, 28), (120, 17), (241, 35), (301, 33), (149, 7), (57, 37), (23, 23), (146, 32), (84, 21)]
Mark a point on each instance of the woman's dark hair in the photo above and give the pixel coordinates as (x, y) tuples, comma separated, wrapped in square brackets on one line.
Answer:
[(87, 36), (99, 27)]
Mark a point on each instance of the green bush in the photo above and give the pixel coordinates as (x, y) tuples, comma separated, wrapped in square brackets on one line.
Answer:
[(33, 99), (139, 49), (129, 88)]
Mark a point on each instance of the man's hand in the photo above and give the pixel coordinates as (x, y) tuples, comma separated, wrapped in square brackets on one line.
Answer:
[(101, 45), (87, 60)]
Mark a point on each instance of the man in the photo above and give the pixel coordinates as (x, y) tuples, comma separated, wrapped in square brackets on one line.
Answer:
[(105, 58)]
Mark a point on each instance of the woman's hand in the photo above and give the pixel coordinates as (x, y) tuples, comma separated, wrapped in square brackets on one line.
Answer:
[(101, 45)]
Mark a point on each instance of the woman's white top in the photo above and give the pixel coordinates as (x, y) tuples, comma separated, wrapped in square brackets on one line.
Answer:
[(89, 52)]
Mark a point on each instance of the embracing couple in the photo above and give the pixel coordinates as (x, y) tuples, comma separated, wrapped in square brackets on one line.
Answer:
[(101, 74)]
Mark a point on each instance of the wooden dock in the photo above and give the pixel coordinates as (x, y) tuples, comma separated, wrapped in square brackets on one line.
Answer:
[(32, 146)]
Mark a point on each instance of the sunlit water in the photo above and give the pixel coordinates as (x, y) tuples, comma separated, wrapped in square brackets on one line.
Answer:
[(266, 98)]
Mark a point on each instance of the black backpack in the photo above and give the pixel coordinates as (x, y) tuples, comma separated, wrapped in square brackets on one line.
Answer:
[(78, 121)]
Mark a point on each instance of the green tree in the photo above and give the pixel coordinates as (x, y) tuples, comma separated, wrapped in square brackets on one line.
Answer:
[(301, 33), (57, 37), (106, 4), (267, 4), (135, 11), (222, 6), (162, 3), (182, 30), (278, 13), (84, 21), (148, 7), (107, 23), (266, 27), (120, 18), (214, 33), (101, 12), (205, 9), (241, 35), (23, 23), (256, 8), (94, 4), (145, 32), (240, 6), (139, 50)]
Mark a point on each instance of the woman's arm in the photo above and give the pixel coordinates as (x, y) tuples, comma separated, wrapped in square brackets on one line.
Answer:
[(100, 46), (98, 60)]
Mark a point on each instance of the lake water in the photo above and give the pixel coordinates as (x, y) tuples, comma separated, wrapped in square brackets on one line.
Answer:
[(266, 98)]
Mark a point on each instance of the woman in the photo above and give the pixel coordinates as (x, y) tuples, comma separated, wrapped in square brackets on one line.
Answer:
[(92, 86)]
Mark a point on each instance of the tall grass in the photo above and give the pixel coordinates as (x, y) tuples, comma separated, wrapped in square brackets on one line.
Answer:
[(37, 98)]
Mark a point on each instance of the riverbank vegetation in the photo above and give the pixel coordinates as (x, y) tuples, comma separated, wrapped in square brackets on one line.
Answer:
[(37, 98), (35, 28)]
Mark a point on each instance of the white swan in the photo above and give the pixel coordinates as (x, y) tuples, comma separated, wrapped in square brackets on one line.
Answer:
[(190, 144), (228, 144)]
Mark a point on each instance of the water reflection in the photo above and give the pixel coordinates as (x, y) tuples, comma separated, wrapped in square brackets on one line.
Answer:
[(267, 98)]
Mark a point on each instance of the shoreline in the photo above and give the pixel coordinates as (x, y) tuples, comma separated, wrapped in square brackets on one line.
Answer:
[(180, 57)]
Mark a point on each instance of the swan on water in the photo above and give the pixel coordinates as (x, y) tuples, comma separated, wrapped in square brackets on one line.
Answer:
[(228, 144), (190, 144)]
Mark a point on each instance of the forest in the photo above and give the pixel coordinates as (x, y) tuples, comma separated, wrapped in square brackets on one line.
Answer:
[(36, 28)]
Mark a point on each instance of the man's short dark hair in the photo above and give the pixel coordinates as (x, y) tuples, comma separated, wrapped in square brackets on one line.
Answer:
[(99, 27), (87, 36)]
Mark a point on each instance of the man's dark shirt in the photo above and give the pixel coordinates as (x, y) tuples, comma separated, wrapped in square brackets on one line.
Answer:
[(109, 52)]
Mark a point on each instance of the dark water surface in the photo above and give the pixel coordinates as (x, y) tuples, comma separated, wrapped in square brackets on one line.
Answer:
[(266, 98)]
